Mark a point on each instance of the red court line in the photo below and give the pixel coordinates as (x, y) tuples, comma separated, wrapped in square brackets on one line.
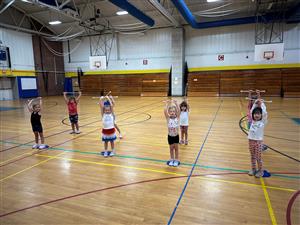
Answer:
[(39, 151), (289, 208), (64, 141), (109, 188), (80, 126)]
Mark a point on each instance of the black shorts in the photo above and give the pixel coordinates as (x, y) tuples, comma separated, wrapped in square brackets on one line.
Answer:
[(173, 139), (73, 118), (37, 128)]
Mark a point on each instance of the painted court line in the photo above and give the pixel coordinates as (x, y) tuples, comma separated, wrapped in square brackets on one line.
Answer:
[(164, 172), (28, 168), (267, 198), (164, 161), (271, 212), (193, 167), (105, 189)]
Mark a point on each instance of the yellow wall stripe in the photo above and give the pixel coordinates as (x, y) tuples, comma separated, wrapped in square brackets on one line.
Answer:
[(246, 67), (70, 74), (17, 73), (126, 72)]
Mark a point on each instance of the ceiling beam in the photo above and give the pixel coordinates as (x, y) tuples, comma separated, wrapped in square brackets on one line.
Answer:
[(6, 4)]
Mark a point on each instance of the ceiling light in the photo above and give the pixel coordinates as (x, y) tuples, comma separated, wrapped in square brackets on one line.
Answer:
[(26, 1), (213, 0), (54, 22), (120, 13)]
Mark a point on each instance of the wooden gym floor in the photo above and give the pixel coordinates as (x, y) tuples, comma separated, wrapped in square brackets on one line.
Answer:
[(70, 183)]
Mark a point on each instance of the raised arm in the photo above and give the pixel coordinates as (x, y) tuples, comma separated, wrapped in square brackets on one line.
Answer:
[(29, 105), (41, 104), (65, 97), (78, 97), (166, 109), (101, 103), (112, 101), (177, 109)]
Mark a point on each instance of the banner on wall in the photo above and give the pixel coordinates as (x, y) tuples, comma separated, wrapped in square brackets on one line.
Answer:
[(98, 62)]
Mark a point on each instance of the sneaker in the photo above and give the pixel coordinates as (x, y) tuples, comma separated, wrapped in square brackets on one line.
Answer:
[(186, 142), (181, 142), (120, 136), (252, 172), (105, 154), (111, 154), (42, 146), (35, 146), (259, 174), (264, 148), (171, 163), (72, 132), (176, 163), (77, 132)]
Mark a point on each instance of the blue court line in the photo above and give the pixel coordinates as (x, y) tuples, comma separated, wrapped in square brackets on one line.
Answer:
[(153, 160), (192, 170), (296, 120), (4, 108)]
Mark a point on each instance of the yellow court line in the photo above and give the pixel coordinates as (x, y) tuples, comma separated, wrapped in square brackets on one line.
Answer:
[(35, 165), (271, 212), (269, 204), (165, 172), (112, 165), (26, 153)]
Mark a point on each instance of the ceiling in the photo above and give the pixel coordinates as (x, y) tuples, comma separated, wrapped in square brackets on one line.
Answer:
[(89, 17)]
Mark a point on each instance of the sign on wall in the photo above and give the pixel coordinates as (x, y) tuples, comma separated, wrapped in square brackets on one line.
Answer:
[(220, 57), (28, 83)]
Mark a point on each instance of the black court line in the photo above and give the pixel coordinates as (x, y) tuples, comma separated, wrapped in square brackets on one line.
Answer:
[(80, 126), (273, 149), (69, 139)]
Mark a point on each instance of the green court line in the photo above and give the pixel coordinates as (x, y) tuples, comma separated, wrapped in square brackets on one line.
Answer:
[(152, 160)]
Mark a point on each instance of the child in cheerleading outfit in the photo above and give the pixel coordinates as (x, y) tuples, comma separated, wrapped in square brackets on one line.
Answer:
[(255, 136), (116, 126), (184, 121), (72, 103), (172, 114), (37, 128), (108, 128)]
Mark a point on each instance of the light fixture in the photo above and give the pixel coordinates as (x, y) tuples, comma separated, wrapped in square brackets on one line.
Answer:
[(26, 1), (213, 0), (55, 22), (120, 13)]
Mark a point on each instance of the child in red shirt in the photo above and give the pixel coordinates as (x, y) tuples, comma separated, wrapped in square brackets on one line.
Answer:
[(73, 114)]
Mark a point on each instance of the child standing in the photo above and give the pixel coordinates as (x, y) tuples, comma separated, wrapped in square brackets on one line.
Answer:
[(73, 114), (251, 101), (184, 121), (116, 126), (172, 114), (108, 128), (255, 136), (36, 109)]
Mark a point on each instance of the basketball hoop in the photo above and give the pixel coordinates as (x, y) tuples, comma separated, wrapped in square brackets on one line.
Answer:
[(269, 55)]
